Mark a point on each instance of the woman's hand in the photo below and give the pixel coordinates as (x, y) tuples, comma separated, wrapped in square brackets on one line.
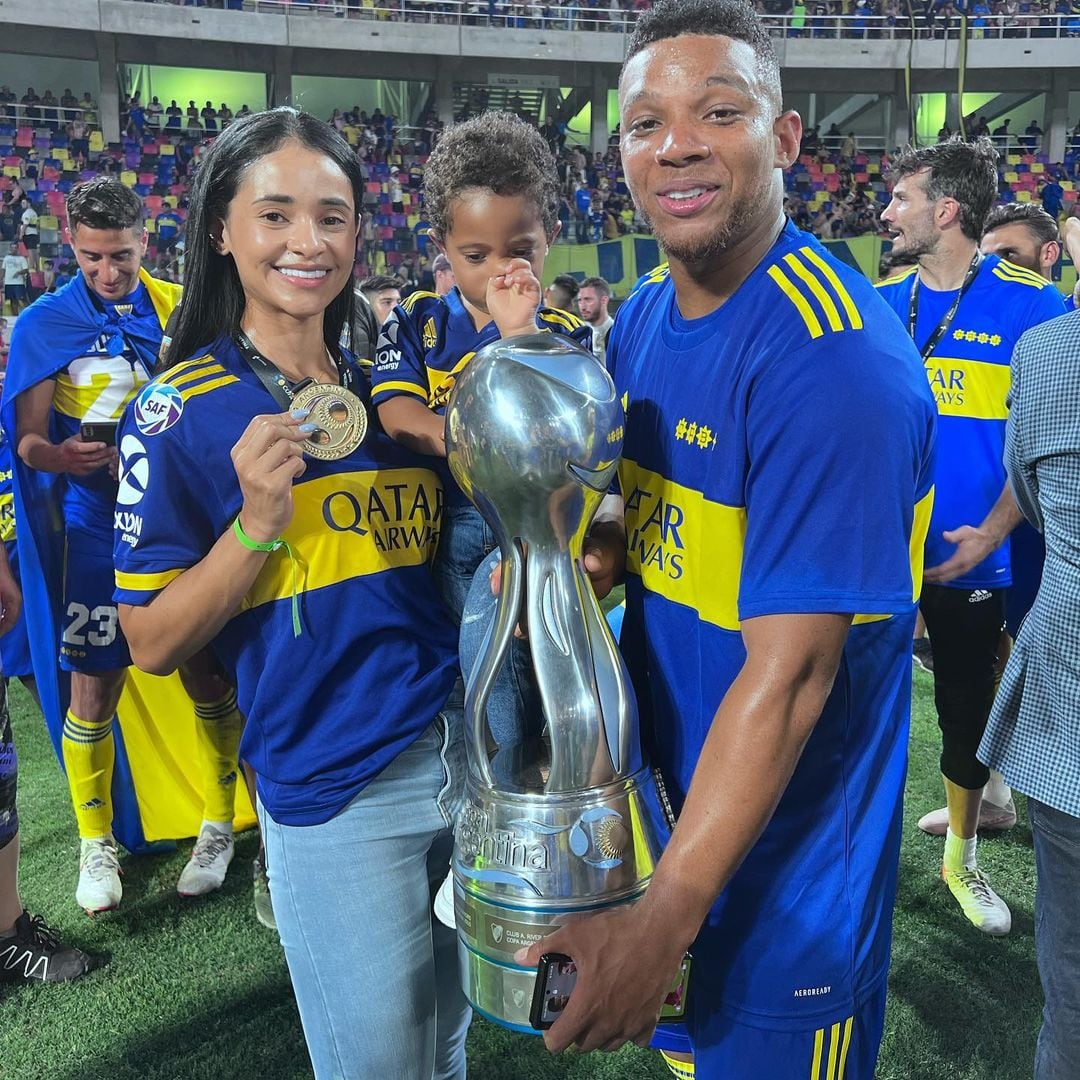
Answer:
[(268, 457), (513, 299)]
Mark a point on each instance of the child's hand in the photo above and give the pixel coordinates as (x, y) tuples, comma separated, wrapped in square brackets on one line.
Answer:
[(513, 298)]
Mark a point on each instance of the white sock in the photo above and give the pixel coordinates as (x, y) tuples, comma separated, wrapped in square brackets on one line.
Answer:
[(959, 852), (220, 826), (996, 790)]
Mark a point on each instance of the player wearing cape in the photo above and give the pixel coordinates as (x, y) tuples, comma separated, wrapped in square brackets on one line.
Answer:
[(78, 357)]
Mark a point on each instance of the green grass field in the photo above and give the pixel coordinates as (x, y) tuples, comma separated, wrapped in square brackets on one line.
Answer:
[(198, 990)]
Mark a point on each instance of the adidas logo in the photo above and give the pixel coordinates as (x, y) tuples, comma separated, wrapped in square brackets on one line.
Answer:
[(12, 960), (979, 595), (93, 804)]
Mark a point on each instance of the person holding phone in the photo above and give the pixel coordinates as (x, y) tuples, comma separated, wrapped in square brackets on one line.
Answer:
[(78, 357), (302, 548)]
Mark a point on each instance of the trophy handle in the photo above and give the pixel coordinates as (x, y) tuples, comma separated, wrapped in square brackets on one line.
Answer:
[(496, 648)]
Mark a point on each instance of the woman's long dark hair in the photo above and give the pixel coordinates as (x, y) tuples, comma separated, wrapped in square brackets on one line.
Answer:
[(213, 300)]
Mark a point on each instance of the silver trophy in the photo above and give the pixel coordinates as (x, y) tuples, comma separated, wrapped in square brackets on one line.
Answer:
[(568, 821)]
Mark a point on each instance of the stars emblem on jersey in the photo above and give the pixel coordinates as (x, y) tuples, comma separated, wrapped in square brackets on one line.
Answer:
[(980, 336), (700, 435)]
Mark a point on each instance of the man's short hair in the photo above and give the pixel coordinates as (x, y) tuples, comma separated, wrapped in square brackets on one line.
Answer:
[(1042, 226), (570, 284), (440, 264), (733, 19), (964, 171), (597, 283), (104, 203), (379, 283)]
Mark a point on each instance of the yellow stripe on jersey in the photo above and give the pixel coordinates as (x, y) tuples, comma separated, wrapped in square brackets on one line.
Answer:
[(854, 318), (972, 388), (896, 277), (7, 516), (683, 546), (920, 526), (1008, 271), (413, 298), (352, 524), (789, 289), (844, 1048), (403, 387), (839, 1035), (689, 549), (561, 318), (189, 376), (206, 387), (834, 1051), (145, 582), (440, 383), (815, 1061), (832, 316), (185, 366)]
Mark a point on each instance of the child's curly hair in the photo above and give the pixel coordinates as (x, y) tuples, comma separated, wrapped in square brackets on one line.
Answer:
[(496, 151)]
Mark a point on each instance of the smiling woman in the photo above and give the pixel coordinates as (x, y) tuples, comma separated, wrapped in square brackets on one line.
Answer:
[(343, 667)]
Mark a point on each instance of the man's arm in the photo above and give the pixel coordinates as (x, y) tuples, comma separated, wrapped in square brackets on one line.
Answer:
[(975, 543), (32, 441), (627, 958)]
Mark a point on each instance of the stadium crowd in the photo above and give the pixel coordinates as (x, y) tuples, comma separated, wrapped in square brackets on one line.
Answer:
[(183, 298), (835, 190)]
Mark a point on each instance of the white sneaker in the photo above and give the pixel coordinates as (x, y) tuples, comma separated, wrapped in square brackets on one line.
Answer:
[(210, 858), (992, 818), (984, 909), (99, 886), (444, 902)]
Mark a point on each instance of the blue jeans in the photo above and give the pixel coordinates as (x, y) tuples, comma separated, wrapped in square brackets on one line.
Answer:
[(466, 558), (1057, 939), (375, 977)]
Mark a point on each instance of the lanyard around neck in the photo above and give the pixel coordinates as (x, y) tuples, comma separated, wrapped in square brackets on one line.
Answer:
[(279, 387), (942, 328)]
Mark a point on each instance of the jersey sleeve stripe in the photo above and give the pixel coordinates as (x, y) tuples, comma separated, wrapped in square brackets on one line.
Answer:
[(815, 286), (895, 278), (145, 582), (560, 318), (1007, 272), (414, 298), (198, 373), (206, 387), (845, 297), (392, 388), (185, 366), (797, 298)]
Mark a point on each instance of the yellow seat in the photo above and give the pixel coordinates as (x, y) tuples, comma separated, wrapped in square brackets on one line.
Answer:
[(129, 178), (1023, 196), (97, 141)]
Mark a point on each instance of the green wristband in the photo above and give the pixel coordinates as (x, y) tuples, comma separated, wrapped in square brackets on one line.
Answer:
[(273, 545), (253, 545)]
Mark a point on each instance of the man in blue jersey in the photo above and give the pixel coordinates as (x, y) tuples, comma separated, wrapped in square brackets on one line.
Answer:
[(77, 358), (776, 487), (965, 312)]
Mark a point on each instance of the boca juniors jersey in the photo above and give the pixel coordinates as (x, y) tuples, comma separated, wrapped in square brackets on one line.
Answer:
[(95, 389), (375, 661), (968, 372), (426, 342), (777, 460)]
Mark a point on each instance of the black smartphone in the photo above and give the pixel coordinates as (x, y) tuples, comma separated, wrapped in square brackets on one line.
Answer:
[(99, 432), (556, 975)]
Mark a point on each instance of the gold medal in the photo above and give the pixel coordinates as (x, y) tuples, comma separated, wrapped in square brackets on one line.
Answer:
[(339, 417)]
